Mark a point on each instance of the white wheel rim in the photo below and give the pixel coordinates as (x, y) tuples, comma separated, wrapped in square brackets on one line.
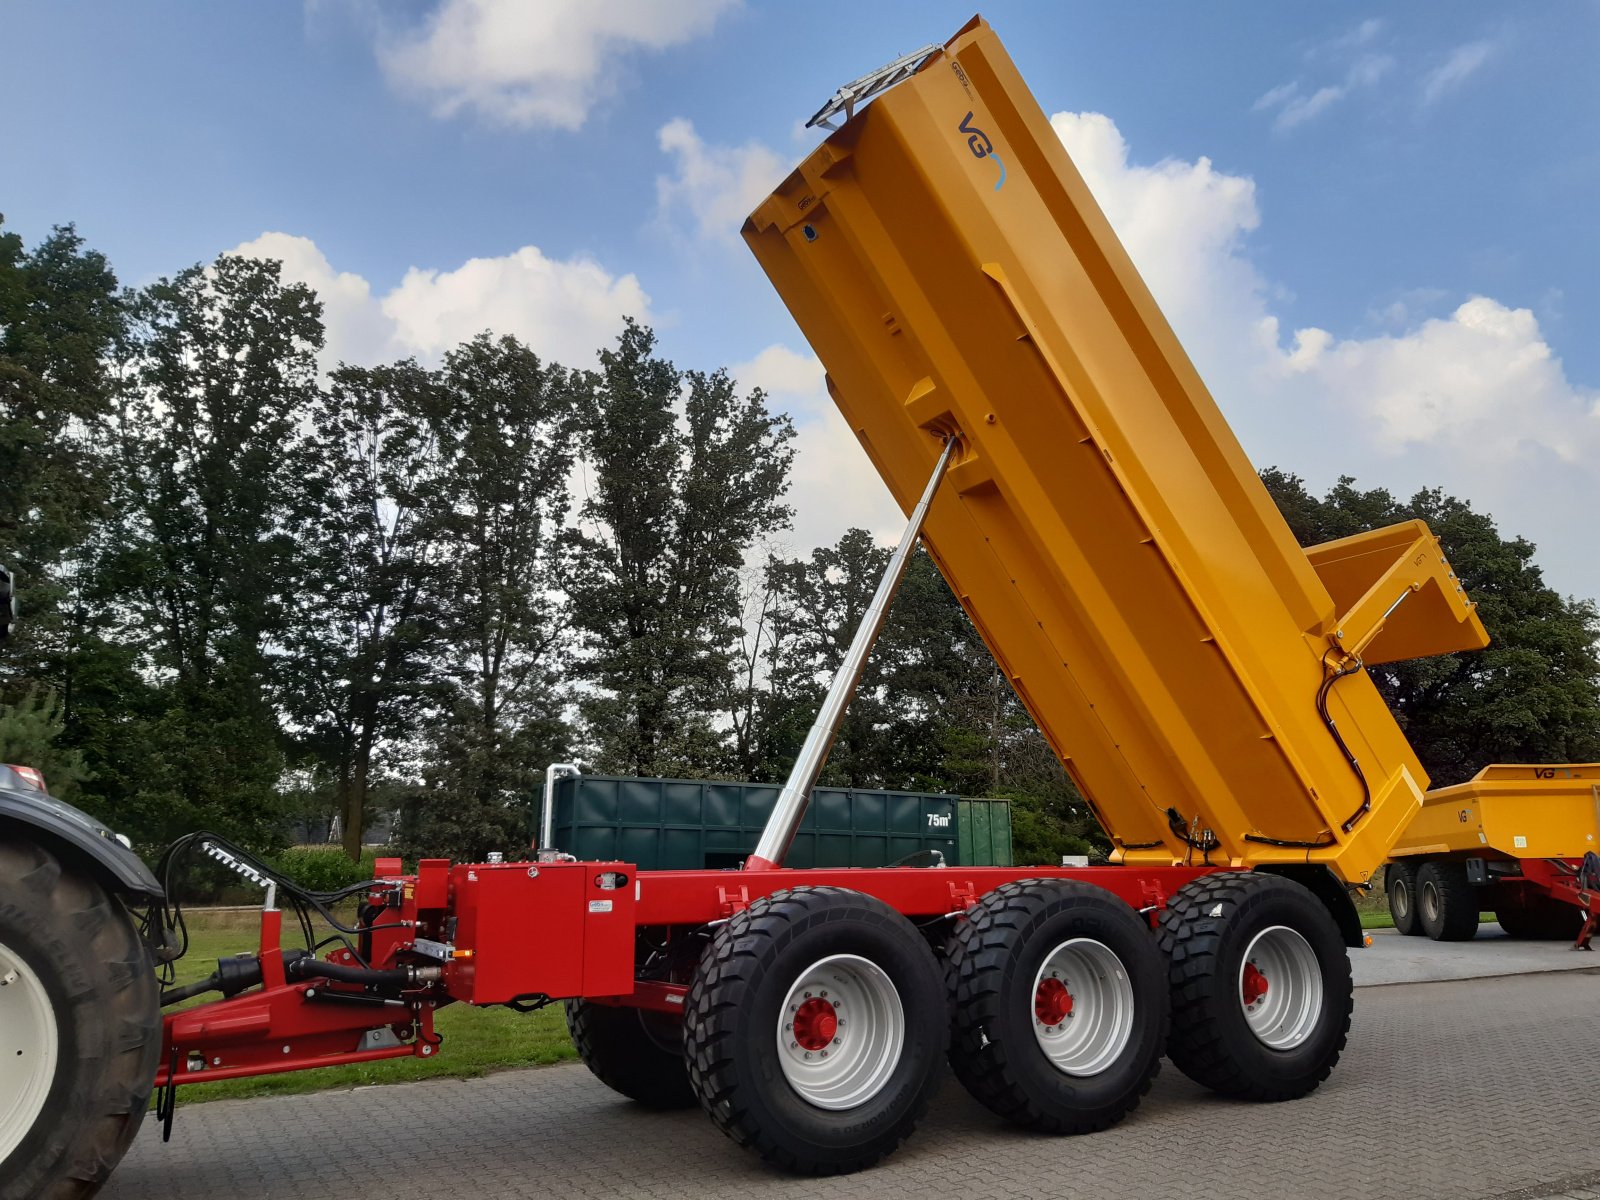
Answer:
[(1280, 987), (1430, 900), (1400, 899), (841, 1031), (1082, 1004), (28, 1048)]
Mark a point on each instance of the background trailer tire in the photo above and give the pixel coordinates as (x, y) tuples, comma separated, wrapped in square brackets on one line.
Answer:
[(815, 1027), (1447, 905), (1261, 989), (1400, 885), (1538, 918), (1058, 1005), (633, 1051), (80, 1027)]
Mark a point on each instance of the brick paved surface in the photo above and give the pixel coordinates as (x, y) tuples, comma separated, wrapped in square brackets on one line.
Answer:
[(1468, 1089)]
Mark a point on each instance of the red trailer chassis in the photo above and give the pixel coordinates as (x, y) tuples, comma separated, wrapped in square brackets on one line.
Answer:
[(530, 933)]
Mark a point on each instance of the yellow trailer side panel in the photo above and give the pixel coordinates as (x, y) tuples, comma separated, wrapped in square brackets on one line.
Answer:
[(1102, 526), (1531, 810)]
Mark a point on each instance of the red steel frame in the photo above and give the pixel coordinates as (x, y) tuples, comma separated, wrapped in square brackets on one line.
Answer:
[(533, 933)]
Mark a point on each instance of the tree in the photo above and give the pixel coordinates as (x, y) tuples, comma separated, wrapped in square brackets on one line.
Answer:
[(676, 503), (220, 374), (361, 653), (59, 317), (30, 734), (502, 423), (1533, 695)]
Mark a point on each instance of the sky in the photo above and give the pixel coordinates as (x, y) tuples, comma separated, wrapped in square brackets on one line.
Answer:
[(1373, 227)]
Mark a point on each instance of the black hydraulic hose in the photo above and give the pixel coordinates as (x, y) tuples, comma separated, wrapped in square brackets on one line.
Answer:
[(312, 968), (173, 995)]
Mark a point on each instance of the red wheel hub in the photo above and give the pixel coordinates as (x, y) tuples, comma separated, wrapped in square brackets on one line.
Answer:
[(815, 1024), (1255, 984), (1052, 1003)]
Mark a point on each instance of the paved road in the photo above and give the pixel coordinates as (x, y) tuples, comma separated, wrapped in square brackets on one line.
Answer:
[(1395, 959), (1460, 1089)]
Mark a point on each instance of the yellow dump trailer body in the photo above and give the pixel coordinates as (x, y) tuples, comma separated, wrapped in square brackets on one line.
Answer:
[(1101, 525), (1512, 810)]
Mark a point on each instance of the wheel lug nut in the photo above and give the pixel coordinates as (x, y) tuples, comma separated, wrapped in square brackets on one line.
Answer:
[(808, 1054), (823, 1053), (837, 1041)]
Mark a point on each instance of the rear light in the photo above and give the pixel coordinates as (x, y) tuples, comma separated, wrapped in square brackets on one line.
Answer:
[(29, 775)]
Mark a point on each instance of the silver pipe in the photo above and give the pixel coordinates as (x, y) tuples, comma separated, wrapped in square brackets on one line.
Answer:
[(547, 823), (790, 809)]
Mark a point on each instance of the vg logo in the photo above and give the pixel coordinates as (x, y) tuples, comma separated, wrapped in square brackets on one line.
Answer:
[(982, 147)]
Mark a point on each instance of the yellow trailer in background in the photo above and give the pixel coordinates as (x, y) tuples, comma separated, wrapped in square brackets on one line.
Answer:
[(1511, 841)]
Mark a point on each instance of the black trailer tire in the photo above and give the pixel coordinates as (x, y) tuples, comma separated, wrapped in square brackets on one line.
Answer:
[(773, 965), (1539, 919), (77, 963), (1400, 885), (634, 1051), (1230, 937), (1058, 1005), (1447, 905)]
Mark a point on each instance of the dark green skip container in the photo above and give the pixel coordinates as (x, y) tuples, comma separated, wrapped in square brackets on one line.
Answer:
[(689, 824)]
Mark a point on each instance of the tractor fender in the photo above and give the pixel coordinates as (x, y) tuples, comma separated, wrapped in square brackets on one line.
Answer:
[(66, 828)]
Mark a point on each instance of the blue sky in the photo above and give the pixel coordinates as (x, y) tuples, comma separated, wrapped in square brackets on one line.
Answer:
[(1373, 229)]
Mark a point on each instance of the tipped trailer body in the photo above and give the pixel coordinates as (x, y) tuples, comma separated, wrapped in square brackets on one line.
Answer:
[(1199, 675), (1519, 840)]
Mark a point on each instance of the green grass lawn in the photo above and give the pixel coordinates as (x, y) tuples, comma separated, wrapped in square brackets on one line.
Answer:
[(476, 1040)]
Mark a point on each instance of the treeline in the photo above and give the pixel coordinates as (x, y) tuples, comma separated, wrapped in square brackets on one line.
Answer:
[(258, 594)]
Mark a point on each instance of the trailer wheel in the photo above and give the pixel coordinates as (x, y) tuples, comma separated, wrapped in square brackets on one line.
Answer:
[(1447, 905), (814, 1028), (1058, 1005), (1540, 919), (1400, 882), (633, 1051), (80, 1027), (1261, 989)]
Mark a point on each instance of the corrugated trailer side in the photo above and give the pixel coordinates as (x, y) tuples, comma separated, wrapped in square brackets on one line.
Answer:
[(1101, 526), (983, 835)]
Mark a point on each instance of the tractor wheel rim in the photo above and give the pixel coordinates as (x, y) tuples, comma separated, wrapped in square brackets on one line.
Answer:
[(1280, 987), (29, 1044), (1081, 1007), (841, 1031)]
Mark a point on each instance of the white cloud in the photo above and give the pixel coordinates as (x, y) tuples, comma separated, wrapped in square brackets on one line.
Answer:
[(833, 485), (565, 309), (1295, 105), (1462, 62), (544, 62), (712, 188), (1475, 402)]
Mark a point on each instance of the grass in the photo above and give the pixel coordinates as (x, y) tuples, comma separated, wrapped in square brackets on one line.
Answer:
[(476, 1040)]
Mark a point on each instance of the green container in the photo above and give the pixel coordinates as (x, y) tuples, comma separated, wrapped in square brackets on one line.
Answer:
[(683, 824), (983, 832)]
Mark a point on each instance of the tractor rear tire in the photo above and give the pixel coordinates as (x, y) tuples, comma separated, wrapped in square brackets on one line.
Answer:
[(1447, 905), (1058, 1005), (634, 1051), (80, 1027), (1261, 988), (1400, 883), (815, 1027)]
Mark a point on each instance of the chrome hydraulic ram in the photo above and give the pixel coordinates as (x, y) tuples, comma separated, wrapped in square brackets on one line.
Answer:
[(790, 809)]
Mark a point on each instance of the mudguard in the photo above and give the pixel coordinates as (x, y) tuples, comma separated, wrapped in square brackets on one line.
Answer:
[(62, 824)]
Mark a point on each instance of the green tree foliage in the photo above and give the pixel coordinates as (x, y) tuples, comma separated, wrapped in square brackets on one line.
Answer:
[(219, 368), (30, 734), (684, 477), (360, 657), (502, 423), (1533, 695), (59, 317)]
